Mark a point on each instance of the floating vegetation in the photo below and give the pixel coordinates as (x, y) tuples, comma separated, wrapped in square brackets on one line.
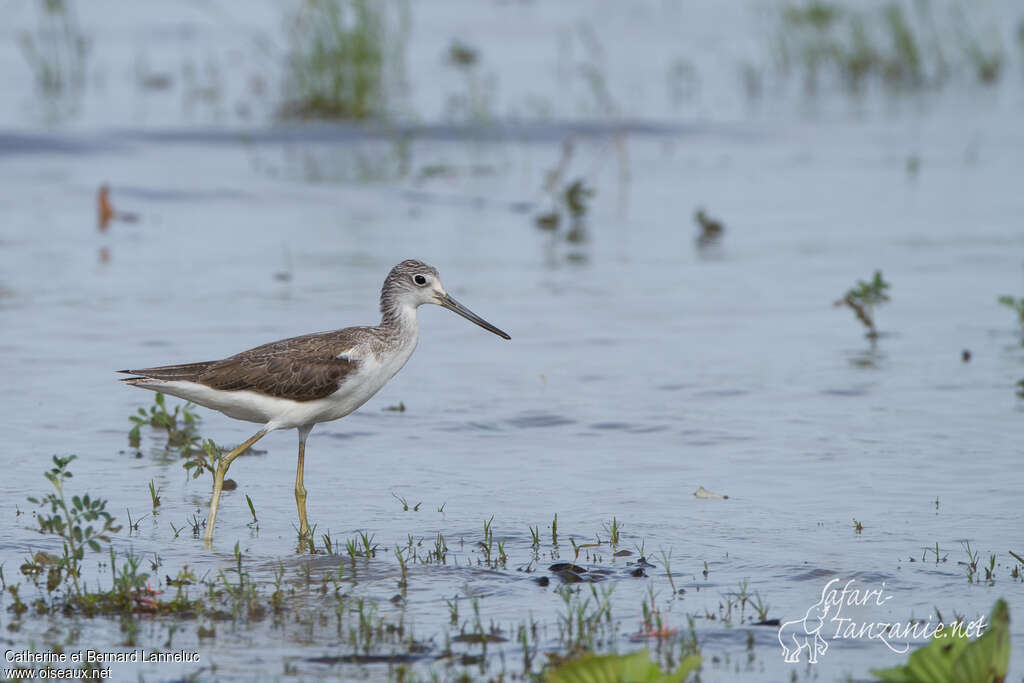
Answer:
[(711, 230), (952, 657), (475, 104), (346, 59), (570, 201), (1017, 306), (863, 299)]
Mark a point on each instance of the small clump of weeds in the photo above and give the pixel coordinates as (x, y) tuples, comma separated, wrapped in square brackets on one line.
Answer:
[(346, 59), (57, 53), (571, 201), (863, 299), (83, 523), (855, 46), (405, 504), (711, 230), (475, 104), (587, 624), (204, 459), (1017, 572), (1017, 306), (181, 425), (614, 532), (72, 521), (154, 494)]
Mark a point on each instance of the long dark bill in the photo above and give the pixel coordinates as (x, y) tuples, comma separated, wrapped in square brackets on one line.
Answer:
[(452, 305)]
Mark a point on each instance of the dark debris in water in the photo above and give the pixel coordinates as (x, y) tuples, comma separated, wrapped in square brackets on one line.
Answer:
[(568, 572), (479, 638), (403, 658)]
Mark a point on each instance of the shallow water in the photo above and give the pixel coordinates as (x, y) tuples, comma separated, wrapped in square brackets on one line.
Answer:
[(640, 368)]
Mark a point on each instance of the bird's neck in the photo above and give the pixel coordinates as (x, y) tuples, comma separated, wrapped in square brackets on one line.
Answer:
[(399, 321)]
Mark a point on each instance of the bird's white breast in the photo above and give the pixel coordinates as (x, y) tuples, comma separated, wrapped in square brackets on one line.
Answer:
[(372, 372)]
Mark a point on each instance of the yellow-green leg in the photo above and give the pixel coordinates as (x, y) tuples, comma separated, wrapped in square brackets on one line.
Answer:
[(300, 490), (218, 480)]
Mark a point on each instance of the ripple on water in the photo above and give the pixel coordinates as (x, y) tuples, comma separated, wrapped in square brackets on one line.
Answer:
[(722, 393), (852, 391), (539, 419), (471, 426), (628, 427), (348, 435)]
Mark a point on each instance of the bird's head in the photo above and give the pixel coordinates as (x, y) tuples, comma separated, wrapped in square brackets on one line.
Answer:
[(413, 283)]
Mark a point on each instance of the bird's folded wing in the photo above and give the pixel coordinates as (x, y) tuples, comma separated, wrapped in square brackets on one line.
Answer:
[(296, 373)]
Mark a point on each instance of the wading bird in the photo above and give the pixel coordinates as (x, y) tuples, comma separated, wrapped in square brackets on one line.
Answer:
[(296, 383)]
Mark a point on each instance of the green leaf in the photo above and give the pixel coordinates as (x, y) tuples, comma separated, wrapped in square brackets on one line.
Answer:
[(951, 658), (987, 658), (632, 668)]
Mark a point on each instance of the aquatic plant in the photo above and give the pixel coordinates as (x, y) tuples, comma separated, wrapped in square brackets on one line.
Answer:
[(863, 299), (852, 45), (587, 623), (571, 200), (1017, 306), (711, 230), (403, 582), (255, 523), (636, 667), (184, 436), (972, 562), (951, 657), (666, 559), (475, 104), (405, 503), (56, 52), (203, 459), (346, 59), (154, 493), (760, 606), (614, 531), (72, 521)]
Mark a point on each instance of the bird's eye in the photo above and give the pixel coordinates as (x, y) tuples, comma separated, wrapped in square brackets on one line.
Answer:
[(420, 280)]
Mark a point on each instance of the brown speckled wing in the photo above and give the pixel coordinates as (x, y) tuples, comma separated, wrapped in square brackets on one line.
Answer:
[(301, 369)]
